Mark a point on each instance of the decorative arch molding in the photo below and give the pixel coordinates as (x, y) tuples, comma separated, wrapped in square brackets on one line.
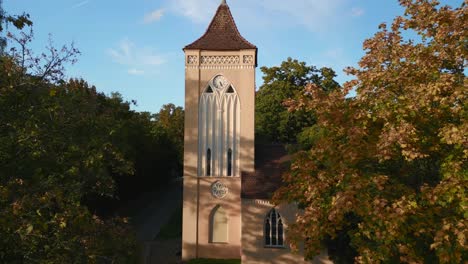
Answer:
[(219, 225), (219, 129)]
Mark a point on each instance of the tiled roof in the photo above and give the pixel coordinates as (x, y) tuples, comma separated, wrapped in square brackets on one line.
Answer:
[(222, 34), (270, 162)]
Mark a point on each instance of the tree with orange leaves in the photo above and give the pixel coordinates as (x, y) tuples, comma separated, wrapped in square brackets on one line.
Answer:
[(387, 171)]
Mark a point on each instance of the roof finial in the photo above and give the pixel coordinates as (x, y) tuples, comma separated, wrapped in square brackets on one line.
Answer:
[(223, 2)]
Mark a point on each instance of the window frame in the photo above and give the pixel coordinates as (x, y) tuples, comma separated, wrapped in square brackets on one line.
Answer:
[(229, 163), (268, 220), (208, 162)]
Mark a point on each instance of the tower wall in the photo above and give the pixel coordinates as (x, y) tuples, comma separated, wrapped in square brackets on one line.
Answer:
[(238, 67)]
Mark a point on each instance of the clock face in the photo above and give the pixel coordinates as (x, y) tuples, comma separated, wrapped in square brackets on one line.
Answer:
[(219, 190), (219, 82)]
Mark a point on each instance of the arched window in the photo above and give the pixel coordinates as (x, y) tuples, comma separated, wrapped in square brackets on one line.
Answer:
[(229, 162), (219, 225), (208, 162), (273, 229)]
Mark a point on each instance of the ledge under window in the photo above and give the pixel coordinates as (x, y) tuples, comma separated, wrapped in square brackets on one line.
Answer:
[(279, 247)]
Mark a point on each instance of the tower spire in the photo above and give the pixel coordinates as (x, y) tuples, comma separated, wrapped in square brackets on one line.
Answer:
[(222, 33)]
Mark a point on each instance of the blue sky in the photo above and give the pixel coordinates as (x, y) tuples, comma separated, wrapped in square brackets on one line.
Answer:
[(135, 47)]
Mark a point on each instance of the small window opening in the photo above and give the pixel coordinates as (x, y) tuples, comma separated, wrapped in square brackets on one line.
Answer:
[(209, 90), (230, 90), (208, 162), (229, 162)]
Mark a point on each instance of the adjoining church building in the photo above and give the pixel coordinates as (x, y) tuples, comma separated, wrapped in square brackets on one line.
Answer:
[(228, 179)]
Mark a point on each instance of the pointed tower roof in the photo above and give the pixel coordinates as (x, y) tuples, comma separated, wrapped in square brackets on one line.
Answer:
[(222, 33)]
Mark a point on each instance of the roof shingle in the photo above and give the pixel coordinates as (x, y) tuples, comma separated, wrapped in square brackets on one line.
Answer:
[(222, 34), (270, 163)]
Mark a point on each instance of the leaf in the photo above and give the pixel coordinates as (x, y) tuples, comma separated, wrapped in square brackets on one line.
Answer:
[(29, 229)]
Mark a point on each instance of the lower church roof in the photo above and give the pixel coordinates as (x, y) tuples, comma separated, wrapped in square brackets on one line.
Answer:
[(271, 160)]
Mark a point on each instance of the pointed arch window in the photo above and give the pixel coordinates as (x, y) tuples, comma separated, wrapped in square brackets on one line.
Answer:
[(208, 162), (273, 229), (229, 162)]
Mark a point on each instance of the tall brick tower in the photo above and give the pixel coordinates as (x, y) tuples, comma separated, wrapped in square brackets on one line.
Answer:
[(219, 137)]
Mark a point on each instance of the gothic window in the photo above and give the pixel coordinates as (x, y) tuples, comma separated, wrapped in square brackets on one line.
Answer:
[(208, 162), (219, 225), (273, 229), (219, 129), (229, 162)]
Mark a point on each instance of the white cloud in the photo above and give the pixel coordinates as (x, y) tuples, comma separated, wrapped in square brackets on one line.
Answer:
[(196, 10), (315, 15), (134, 71), (357, 11), (153, 16), (137, 58), (80, 4), (154, 60)]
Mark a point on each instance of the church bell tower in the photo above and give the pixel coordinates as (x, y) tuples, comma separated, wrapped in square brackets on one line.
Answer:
[(219, 137)]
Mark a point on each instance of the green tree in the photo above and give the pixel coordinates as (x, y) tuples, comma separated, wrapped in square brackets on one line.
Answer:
[(170, 120), (2, 18), (18, 22), (273, 122), (387, 170), (154, 143), (70, 156), (56, 149)]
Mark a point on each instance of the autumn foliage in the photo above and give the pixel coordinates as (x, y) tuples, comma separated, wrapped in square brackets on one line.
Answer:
[(388, 168), (70, 157)]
